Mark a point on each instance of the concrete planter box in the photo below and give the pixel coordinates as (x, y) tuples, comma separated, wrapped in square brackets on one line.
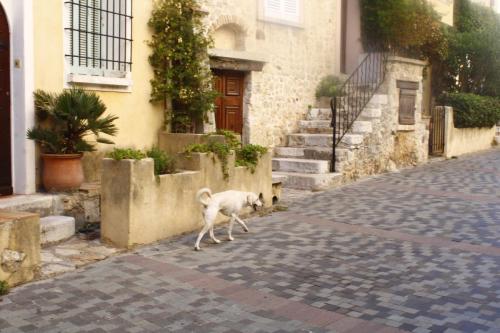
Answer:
[(174, 143), (139, 208)]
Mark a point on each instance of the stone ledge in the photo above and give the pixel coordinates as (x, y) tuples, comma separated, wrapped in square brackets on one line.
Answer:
[(407, 61)]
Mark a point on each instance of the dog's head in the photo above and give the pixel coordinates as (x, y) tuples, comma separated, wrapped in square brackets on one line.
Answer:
[(255, 201)]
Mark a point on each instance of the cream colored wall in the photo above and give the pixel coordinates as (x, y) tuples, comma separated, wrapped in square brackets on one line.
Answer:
[(460, 141), (445, 9), (139, 121), (298, 57)]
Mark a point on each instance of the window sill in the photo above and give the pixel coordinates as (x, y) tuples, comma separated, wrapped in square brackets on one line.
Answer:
[(120, 84), (291, 24)]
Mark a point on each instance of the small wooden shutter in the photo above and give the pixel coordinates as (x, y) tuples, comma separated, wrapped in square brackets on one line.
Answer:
[(272, 8), (407, 101)]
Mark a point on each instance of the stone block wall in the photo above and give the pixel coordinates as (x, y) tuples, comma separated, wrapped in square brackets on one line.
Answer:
[(391, 146)]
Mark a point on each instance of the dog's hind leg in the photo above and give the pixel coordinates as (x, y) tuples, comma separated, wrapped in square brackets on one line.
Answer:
[(212, 236), (230, 229), (240, 222), (202, 233)]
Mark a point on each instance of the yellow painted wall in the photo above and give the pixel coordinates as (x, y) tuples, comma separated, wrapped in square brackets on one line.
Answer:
[(139, 121)]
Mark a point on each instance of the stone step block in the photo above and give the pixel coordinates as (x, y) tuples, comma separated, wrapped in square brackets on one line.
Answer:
[(361, 127), (300, 165), (378, 100), (371, 113), (55, 229), (314, 182), (315, 126), (319, 114), (325, 153), (289, 152), (42, 204), (310, 140), (278, 178), (352, 139)]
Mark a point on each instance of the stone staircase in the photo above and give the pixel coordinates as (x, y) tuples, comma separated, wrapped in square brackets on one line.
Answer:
[(53, 226), (305, 161)]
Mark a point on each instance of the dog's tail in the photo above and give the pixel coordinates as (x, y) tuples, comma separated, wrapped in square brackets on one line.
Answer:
[(200, 196)]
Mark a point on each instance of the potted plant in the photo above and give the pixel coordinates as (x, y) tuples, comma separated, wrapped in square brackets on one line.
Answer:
[(66, 122), (328, 87)]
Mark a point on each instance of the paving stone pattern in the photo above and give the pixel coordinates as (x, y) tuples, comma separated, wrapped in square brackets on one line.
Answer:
[(413, 251)]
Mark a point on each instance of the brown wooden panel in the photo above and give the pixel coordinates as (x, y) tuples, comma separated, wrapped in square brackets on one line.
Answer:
[(407, 108), (437, 133), (5, 112), (229, 105)]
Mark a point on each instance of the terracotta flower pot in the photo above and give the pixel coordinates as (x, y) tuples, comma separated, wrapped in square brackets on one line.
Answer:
[(62, 172)]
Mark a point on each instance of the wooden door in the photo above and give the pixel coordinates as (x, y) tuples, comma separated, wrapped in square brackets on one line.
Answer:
[(229, 105), (5, 137)]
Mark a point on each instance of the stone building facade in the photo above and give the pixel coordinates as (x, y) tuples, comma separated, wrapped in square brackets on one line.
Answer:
[(282, 61)]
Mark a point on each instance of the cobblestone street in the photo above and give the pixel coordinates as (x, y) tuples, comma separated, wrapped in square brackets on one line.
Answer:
[(415, 251)]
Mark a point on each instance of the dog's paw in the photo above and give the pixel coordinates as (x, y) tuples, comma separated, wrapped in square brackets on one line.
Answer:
[(197, 248), (216, 241), (231, 239), (246, 230)]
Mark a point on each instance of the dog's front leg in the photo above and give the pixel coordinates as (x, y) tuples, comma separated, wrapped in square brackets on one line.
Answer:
[(216, 241), (240, 221), (230, 229)]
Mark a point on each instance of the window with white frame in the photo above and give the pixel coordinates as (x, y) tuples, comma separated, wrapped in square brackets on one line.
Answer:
[(99, 37), (282, 10)]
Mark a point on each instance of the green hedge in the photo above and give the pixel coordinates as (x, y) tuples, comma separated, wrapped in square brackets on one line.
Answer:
[(471, 111)]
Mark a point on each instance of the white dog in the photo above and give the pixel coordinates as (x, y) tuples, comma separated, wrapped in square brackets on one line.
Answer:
[(229, 203)]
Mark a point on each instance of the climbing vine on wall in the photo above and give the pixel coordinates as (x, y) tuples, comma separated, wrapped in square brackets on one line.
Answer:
[(182, 78)]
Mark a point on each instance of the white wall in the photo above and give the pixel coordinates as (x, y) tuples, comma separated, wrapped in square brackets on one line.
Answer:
[(20, 17)]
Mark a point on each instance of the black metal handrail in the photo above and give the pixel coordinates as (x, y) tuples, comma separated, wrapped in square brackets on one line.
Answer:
[(354, 95)]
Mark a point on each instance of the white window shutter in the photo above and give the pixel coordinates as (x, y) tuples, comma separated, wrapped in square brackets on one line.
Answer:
[(272, 8), (291, 10), (287, 10)]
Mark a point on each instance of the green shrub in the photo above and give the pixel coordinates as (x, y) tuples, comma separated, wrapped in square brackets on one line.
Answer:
[(471, 111), (119, 154), (329, 86), (164, 163), (4, 288), (249, 156), (221, 150)]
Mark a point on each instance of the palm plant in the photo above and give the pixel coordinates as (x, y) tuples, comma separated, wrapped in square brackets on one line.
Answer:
[(67, 119)]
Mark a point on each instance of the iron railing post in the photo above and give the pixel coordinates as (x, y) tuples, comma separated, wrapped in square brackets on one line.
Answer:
[(333, 105)]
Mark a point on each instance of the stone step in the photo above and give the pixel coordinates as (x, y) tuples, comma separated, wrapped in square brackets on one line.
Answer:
[(319, 114), (300, 165), (42, 204), (278, 178), (497, 139), (378, 100), (293, 152), (324, 153), (308, 181), (310, 140), (55, 229), (362, 127)]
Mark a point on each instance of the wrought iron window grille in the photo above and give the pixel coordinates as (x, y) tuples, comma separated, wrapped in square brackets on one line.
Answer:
[(99, 37)]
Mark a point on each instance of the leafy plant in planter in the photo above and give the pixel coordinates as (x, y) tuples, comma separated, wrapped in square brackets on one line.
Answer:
[(180, 62), (329, 86), (66, 120)]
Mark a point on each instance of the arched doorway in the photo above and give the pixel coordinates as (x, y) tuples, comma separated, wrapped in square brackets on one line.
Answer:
[(5, 109)]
